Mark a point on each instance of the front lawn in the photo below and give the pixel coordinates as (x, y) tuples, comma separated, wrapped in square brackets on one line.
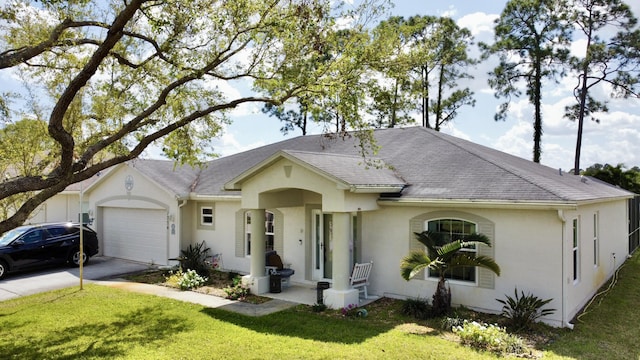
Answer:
[(102, 322)]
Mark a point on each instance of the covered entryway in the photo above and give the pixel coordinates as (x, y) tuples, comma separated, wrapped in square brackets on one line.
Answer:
[(331, 198), (135, 234)]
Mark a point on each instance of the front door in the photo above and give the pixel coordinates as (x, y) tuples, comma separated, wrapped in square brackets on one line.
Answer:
[(322, 236)]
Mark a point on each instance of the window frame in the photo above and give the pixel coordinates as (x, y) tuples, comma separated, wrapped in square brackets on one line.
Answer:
[(204, 216), (270, 236), (428, 273), (575, 250), (596, 239)]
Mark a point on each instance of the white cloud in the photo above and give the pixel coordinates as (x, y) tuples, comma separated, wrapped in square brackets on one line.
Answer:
[(480, 24), (227, 144)]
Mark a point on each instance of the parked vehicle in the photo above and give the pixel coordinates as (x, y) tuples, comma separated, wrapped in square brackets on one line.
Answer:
[(31, 246)]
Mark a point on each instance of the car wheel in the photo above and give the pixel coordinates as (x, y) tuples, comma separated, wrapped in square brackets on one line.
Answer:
[(74, 257), (3, 269)]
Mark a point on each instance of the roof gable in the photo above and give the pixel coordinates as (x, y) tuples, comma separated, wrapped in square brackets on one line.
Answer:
[(349, 171)]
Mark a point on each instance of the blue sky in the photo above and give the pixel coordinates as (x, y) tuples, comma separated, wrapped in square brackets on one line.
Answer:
[(615, 140)]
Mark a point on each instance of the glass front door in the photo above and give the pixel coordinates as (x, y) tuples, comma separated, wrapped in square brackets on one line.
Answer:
[(322, 235)]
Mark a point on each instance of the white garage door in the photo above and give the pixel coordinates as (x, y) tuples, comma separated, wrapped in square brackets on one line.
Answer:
[(135, 234)]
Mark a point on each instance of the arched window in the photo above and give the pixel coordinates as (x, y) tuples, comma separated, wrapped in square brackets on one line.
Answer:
[(452, 230)]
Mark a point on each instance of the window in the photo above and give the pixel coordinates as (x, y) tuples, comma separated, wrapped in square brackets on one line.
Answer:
[(269, 232), (206, 215), (247, 231), (451, 230), (596, 246), (32, 237), (575, 251)]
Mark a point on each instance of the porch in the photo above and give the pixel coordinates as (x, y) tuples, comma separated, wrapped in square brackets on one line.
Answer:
[(306, 294)]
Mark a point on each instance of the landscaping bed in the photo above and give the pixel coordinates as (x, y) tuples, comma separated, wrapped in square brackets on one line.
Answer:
[(216, 284)]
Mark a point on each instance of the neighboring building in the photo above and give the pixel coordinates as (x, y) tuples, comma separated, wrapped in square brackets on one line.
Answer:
[(315, 201)]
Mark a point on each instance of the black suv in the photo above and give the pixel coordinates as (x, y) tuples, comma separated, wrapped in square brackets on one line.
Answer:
[(38, 245)]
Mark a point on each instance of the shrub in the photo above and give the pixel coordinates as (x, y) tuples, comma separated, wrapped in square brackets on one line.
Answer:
[(417, 308), (522, 311), (318, 307), (190, 279), (194, 258), (448, 323), (237, 291), (490, 337)]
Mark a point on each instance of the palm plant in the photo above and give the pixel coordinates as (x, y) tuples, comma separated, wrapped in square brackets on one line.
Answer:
[(442, 257)]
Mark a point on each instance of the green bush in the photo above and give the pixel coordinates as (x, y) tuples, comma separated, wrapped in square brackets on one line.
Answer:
[(523, 311), (194, 258), (190, 279), (237, 291), (489, 337), (448, 323), (318, 307), (417, 308)]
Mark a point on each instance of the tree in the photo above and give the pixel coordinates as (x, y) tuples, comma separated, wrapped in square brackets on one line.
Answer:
[(390, 91), (532, 39), (443, 257), (439, 49), (121, 76), (24, 151), (616, 175), (612, 60)]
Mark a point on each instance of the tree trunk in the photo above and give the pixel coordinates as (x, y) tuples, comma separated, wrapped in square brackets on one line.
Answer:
[(537, 123), (441, 303), (441, 81)]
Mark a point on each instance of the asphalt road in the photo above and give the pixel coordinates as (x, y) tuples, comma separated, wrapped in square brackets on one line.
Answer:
[(53, 278)]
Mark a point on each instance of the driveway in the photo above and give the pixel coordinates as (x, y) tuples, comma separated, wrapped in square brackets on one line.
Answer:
[(33, 282)]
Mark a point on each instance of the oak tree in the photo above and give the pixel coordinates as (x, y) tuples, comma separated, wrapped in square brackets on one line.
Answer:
[(117, 76)]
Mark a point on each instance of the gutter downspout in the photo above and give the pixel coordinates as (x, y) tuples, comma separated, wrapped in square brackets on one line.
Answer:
[(565, 322)]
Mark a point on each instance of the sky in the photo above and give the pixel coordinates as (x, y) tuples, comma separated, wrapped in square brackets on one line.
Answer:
[(616, 139)]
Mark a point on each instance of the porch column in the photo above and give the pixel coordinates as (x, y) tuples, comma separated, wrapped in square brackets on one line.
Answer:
[(257, 281), (341, 295)]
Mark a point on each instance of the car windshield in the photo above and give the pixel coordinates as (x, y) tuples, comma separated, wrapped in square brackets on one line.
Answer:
[(10, 235)]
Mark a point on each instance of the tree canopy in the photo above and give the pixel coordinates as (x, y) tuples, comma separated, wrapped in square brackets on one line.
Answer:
[(120, 76), (613, 60), (532, 42)]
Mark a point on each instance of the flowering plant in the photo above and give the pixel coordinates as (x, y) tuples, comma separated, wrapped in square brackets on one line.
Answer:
[(489, 337), (190, 279), (349, 310)]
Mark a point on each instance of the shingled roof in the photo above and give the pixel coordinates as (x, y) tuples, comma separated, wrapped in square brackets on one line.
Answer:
[(429, 164)]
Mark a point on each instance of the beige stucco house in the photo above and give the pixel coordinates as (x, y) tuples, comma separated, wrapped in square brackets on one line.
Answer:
[(316, 202)]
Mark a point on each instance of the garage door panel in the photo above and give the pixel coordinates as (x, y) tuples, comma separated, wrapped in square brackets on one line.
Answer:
[(135, 234)]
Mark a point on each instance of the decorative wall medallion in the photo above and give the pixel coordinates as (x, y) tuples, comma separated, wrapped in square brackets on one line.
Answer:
[(128, 182)]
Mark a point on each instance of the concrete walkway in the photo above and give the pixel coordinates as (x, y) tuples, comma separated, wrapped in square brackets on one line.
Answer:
[(210, 301)]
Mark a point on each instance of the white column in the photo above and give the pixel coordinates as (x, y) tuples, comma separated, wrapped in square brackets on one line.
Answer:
[(257, 281), (340, 294)]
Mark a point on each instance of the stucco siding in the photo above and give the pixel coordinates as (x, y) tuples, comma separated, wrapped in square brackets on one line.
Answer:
[(61, 207), (611, 250), (523, 247), (143, 194), (221, 238)]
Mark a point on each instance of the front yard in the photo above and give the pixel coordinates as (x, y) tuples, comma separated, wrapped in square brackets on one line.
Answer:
[(102, 322)]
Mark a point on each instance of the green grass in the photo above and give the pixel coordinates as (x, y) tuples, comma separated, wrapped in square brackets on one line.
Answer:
[(102, 322), (610, 329)]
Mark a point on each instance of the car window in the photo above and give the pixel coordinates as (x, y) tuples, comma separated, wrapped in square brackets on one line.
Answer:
[(33, 236), (9, 236), (56, 231)]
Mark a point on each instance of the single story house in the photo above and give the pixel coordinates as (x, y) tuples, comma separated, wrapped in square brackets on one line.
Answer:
[(322, 207)]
